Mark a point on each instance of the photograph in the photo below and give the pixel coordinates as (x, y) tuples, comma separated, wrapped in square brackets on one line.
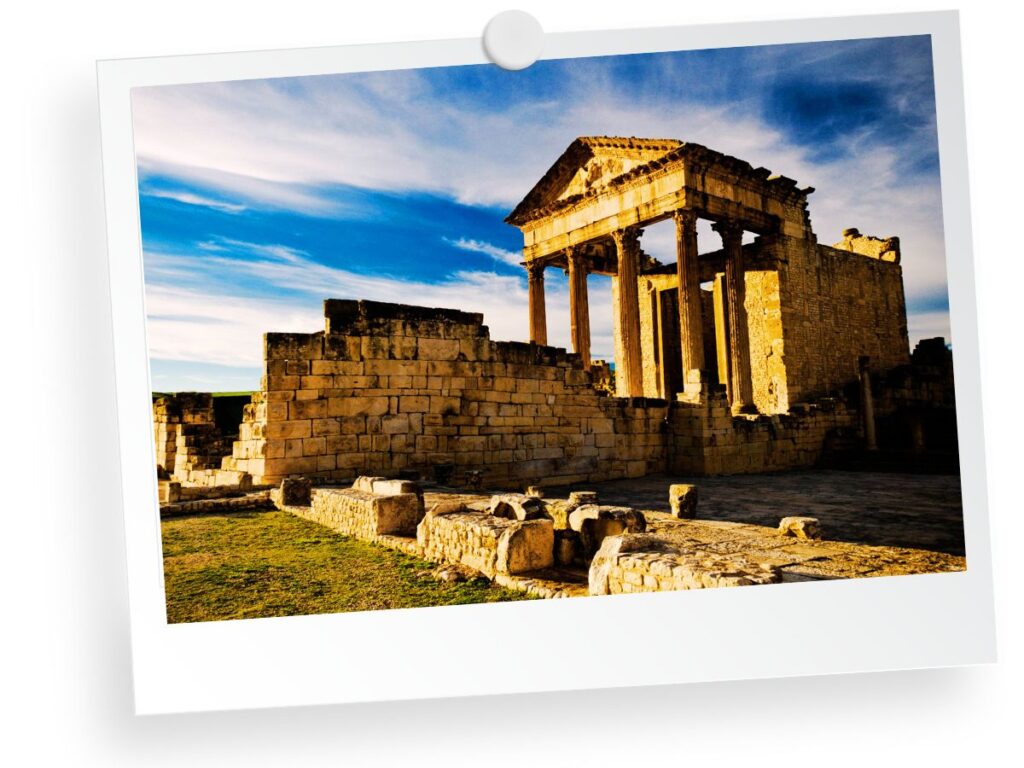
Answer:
[(611, 324)]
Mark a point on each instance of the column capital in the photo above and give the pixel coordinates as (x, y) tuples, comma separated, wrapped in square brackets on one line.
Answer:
[(685, 218), (535, 270), (729, 230), (627, 237)]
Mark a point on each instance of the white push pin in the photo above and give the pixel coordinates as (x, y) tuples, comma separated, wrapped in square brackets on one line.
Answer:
[(513, 39)]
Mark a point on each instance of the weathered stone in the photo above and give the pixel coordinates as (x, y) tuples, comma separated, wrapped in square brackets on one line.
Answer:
[(456, 572), (365, 515), (365, 483), (535, 490), (650, 563), (682, 499), (800, 527), (295, 491), (488, 544), (518, 506), (527, 546), (595, 523)]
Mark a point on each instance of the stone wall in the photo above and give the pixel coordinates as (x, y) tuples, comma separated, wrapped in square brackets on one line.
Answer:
[(837, 305), (707, 440), (188, 441), (386, 388), (812, 311)]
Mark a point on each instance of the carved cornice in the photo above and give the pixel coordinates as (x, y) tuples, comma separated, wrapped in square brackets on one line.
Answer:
[(694, 156)]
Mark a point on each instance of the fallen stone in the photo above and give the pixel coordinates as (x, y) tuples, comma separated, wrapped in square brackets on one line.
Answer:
[(446, 508), (682, 498), (560, 509), (596, 523), (456, 572), (518, 506), (800, 527)]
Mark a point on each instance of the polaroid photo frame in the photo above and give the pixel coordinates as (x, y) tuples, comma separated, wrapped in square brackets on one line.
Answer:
[(807, 628)]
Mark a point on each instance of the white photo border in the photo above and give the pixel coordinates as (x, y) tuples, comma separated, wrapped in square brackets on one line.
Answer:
[(792, 629)]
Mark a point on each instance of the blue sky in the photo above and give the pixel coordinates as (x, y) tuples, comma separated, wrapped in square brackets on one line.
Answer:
[(261, 198)]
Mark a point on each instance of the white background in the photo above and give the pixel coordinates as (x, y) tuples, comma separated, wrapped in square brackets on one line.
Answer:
[(68, 685)]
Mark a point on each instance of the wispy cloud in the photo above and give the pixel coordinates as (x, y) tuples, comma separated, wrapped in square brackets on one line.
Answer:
[(503, 255), (200, 323), (189, 198)]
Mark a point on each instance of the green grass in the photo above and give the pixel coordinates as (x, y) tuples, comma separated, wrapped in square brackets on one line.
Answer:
[(258, 564)]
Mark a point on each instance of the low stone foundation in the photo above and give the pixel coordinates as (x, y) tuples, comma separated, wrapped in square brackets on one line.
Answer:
[(250, 502), (363, 514), (646, 563), (485, 543)]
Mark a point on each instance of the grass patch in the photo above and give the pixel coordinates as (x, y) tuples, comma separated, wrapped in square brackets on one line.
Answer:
[(259, 564)]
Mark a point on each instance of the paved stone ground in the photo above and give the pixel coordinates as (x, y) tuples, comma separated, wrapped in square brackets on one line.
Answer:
[(877, 508), (873, 525)]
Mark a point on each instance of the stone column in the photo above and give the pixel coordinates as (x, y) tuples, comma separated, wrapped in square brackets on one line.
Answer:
[(691, 330), (579, 304), (538, 312), (627, 246), (722, 334), (739, 343)]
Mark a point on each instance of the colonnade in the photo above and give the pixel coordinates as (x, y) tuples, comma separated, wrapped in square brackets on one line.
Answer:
[(627, 251)]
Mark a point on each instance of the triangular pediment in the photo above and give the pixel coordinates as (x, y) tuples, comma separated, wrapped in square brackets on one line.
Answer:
[(589, 164)]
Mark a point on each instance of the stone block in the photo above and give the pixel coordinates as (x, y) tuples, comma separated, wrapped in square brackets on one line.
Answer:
[(517, 506), (682, 498), (357, 406), (365, 483), (526, 546), (365, 515), (596, 523), (800, 527), (293, 492), (437, 349)]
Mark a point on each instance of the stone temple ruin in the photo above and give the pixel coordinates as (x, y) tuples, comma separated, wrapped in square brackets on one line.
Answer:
[(774, 354)]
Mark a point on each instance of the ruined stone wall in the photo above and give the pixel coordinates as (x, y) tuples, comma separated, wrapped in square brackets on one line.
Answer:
[(187, 439), (485, 543), (646, 563), (387, 388), (708, 440), (836, 305)]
